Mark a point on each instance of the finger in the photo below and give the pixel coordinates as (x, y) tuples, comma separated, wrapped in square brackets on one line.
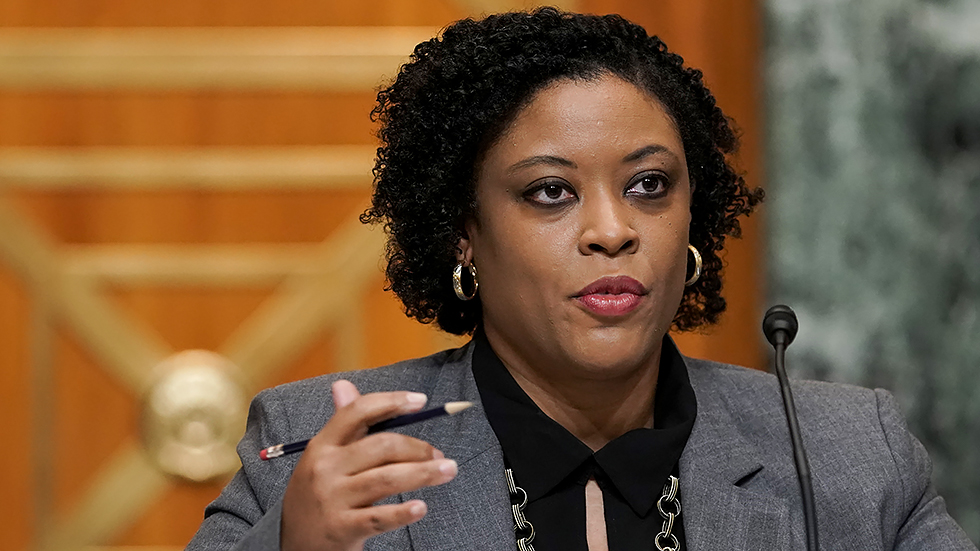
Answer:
[(378, 519), (375, 484), (351, 422), (384, 448), (344, 392)]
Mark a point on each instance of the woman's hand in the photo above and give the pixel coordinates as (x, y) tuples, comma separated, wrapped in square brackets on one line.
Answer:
[(328, 504)]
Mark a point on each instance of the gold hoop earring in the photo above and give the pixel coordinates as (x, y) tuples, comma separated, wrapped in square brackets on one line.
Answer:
[(697, 266), (458, 281)]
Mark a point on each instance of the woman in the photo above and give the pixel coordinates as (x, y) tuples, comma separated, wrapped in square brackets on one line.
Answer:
[(556, 185)]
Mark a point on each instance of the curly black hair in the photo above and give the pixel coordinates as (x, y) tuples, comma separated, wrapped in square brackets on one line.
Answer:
[(457, 95)]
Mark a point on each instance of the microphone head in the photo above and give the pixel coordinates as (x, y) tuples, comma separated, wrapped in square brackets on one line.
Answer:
[(780, 318)]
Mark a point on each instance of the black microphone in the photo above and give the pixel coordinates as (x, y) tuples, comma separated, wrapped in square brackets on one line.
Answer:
[(780, 327)]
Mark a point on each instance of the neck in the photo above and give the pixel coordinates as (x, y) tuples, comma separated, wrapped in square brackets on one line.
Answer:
[(595, 408)]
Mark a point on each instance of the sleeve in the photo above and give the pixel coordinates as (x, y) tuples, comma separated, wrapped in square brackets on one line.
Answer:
[(925, 524), (247, 514)]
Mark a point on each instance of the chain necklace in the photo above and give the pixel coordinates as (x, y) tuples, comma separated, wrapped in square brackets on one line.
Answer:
[(665, 540)]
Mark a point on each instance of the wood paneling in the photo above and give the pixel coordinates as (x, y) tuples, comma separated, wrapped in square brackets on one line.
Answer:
[(253, 13), (95, 414), (191, 317), (181, 119), (16, 412), (180, 217), (274, 59), (160, 526)]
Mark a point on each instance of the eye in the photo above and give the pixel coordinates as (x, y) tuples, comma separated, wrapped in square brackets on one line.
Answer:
[(648, 185), (550, 193)]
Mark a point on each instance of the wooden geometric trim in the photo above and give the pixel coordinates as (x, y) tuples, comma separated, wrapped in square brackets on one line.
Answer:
[(350, 342), (125, 487), (206, 168), (302, 307), (205, 58), (306, 303), (27, 251), (186, 265), (320, 295), (43, 449), (126, 347)]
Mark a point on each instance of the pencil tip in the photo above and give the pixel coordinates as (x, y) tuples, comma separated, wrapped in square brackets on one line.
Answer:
[(453, 408)]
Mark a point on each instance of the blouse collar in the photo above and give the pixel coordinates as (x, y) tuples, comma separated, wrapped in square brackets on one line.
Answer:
[(542, 453)]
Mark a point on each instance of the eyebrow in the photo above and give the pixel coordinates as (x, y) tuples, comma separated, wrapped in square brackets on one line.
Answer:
[(552, 160), (646, 151), (541, 160)]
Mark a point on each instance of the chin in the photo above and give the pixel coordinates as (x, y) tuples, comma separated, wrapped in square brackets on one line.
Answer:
[(613, 351)]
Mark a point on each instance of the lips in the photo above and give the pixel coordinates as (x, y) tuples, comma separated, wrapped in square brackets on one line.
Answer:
[(612, 296)]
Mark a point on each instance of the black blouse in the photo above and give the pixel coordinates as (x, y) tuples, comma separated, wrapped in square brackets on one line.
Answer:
[(553, 466)]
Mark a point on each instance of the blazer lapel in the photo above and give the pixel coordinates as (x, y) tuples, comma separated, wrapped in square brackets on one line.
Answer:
[(718, 513), (473, 510)]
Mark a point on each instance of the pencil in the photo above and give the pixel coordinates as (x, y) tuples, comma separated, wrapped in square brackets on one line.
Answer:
[(450, 408)]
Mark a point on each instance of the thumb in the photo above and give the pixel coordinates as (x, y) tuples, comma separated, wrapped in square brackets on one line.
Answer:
[(344, 392)]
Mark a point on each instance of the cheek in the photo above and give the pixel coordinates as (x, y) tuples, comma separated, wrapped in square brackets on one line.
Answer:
[(668, 267), (678, 253), (668, 255), (522, 257)]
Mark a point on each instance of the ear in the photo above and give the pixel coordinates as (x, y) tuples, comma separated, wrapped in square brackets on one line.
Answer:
[(464, 247)]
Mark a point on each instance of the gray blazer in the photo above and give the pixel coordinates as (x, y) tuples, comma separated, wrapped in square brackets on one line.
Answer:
[(738, 485)]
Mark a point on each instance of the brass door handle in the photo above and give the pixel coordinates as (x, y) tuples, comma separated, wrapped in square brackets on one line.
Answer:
[(193, 416)]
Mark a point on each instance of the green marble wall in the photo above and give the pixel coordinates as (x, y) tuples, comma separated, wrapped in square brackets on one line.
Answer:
[(873, 171)]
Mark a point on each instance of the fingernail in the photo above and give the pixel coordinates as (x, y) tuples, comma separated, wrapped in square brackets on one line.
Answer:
[(448, 467), (437, 454), (417, 509), (416, 398)]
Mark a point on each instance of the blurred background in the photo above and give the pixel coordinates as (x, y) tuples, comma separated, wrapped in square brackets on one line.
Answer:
[(179, 190), (873, 222)]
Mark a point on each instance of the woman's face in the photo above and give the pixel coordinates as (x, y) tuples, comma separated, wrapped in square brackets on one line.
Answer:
[(581, 232)]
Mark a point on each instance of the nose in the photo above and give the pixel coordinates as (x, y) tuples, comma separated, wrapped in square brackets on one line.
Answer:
[(607, 228)]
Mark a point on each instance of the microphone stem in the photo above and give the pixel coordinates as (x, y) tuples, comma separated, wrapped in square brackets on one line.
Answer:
[(799, 454)]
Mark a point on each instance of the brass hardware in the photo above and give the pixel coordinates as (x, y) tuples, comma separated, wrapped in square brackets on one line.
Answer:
[(192, 416)]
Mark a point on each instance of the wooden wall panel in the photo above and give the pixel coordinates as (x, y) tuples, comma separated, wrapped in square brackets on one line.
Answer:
[(161, 527), (257, 13), (405, 337), (92, 406), (43, 118), (316, 360), (95, 415), (16, 412), (92, 217), (191, 317)]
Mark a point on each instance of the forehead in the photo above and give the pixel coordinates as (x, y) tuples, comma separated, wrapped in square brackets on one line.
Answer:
[(571, 112)]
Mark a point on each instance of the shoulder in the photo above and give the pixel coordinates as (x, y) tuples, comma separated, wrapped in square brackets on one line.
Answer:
[(857, 442), (853, 435), (747, 390)]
